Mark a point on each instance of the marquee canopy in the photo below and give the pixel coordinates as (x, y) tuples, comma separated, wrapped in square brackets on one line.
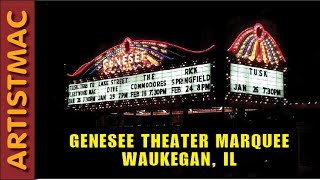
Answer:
[(132, 55), (256, 44)]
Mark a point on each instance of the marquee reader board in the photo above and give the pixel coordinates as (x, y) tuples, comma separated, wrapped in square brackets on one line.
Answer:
[(179, 81), (256, 81)]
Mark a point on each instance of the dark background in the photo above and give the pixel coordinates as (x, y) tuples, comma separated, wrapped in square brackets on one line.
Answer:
[(69, 34)]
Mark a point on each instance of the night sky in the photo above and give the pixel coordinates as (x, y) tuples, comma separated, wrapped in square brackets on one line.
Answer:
[(69, 34), (73, 33)]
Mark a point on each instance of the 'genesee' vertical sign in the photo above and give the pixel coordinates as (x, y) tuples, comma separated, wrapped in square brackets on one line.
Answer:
[(256, 81)]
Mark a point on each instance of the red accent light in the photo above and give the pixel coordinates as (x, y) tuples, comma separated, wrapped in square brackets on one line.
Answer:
[(260, 35), (239, 39), (277, 47), (128, 46)]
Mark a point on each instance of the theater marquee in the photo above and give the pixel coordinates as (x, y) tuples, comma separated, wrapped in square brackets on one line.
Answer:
[(142, 73), (257, 81), (180, 81), (256, 68)]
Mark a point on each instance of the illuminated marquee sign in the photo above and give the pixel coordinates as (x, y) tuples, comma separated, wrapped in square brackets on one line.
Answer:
[(126, 62), (257, 67), (256, 44), (132, 55), (179, 81), (257, 81)]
